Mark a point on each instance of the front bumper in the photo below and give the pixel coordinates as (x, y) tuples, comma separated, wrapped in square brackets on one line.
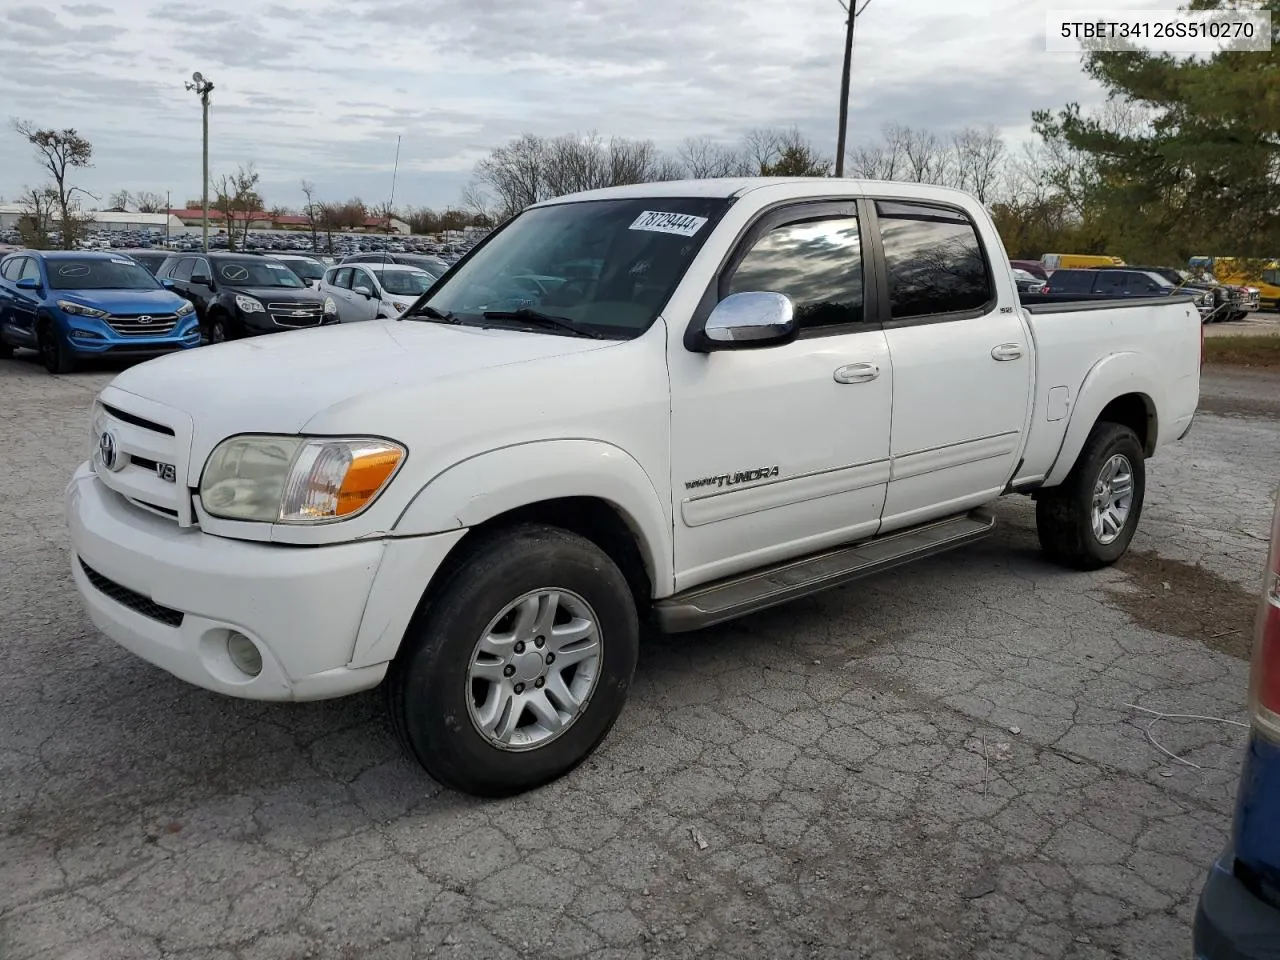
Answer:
[(173, 595), (1231, 923)]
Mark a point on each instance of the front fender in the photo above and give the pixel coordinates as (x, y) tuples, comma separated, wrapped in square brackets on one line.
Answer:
[(1113, 376), (488, 484)]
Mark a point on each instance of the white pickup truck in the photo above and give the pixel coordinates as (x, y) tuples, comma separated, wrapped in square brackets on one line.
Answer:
[(674, 403)]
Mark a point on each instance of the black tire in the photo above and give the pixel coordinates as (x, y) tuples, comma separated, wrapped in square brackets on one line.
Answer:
[(428, 694), (1064, 514), (54, 353), (6, 350), (216, 331)]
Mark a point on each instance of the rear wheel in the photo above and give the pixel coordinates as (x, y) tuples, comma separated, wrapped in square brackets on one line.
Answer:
[(519, 665), (55, 354), (1088, 521)]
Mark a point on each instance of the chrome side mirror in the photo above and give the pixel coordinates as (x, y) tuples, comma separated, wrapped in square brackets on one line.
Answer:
[(753, 319)]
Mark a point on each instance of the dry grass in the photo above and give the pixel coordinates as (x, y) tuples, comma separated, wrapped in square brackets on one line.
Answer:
[(1243, 351)]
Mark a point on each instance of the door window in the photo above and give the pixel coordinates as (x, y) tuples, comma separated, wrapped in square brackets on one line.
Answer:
[(30, 270), (1111, 282), (817, 262), (934, 261), (343, 278), (12, 269), (182, 269)]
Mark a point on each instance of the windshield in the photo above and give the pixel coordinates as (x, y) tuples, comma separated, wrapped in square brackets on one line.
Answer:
[(256, 273), (306, 269), (115, 273), (409, 283), (607, 266)]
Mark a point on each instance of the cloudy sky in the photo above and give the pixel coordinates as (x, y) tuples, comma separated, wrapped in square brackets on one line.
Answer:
[(315, 89)]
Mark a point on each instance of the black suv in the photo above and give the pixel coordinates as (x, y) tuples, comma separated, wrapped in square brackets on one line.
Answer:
[(1093, 283), (241, 295), (1224, 298), (151, 259)]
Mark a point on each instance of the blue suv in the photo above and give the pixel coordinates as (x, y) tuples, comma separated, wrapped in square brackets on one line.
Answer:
[(1239, 913), (70, 305)]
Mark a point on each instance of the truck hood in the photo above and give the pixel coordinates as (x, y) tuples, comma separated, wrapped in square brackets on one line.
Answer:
[(278, 383)]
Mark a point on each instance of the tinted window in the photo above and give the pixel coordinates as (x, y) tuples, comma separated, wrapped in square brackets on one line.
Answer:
[(257, 273), (815, 262), (1110, 282), (934, 260), (1071, 281), (115, 273), (1271, 276), (343, 278), (182, 271)]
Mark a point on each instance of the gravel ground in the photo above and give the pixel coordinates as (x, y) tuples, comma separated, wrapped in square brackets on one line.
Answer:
[(935, 764)]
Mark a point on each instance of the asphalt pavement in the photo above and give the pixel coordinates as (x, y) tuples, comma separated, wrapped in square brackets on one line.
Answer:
[(939, 763)]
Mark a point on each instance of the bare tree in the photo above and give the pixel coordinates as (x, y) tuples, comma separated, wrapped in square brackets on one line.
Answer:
[(36, 222), (924, 155), (477, 200), (61, 152), (703, 157), (311, 210), (238, 199), (148, 201), (978, 161), (795, 157), (120, 201)]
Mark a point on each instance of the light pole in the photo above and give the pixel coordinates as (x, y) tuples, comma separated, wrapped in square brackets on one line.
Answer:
[(854, 12), (203, 88)]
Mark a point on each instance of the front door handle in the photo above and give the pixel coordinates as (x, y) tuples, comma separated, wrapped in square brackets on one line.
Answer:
[(857, 372), (1006, 351)]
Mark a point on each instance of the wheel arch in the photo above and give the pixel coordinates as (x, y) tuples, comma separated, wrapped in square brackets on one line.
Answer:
[(1120, 389)]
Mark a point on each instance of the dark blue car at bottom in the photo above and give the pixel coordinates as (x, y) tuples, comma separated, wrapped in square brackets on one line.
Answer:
[(1239, 913), (70, 305)]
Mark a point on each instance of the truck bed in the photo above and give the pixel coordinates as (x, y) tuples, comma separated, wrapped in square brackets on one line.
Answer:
[(1152, 345)]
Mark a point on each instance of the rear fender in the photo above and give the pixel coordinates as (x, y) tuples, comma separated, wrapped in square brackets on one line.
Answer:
[(1111, 377)]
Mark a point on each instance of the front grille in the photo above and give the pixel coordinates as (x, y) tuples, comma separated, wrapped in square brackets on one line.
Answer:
[(132, 325), (131, 598), (138, 421), (296, 314)]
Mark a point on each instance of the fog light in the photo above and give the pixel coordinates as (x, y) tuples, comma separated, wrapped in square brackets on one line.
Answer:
[(85, 335), (244, 654)]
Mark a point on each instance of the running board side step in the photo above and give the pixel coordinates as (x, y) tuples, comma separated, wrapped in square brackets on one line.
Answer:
[(727, 599)]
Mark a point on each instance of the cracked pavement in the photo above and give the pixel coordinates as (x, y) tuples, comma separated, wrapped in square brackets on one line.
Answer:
[(834, 778)]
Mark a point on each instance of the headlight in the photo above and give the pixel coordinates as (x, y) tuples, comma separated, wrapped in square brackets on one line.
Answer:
[(296, 479), (330, 307), (80, 310), (186, 309), (249, 305)]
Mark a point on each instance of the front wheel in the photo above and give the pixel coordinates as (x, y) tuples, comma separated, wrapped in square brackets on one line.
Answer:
[(217, 332), (55, 354), (518, 665), (1088, 521)]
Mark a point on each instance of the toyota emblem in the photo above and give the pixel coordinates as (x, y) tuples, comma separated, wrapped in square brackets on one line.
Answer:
[(107, 450), (144, 319)]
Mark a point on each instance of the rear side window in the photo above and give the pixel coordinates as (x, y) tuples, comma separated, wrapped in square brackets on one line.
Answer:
[(934, 261), (817, 262), (1072, 281)]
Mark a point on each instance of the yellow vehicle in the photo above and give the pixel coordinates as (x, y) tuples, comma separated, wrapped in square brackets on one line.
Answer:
[(1264, 277), (1078, 261)]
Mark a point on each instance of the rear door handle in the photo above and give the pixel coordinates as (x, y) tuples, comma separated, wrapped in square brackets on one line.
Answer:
[(1006, 351), (857, 372)]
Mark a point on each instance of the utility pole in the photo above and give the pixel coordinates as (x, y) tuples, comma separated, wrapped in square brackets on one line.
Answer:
[(853, 12), (202, 89), (168, 214)]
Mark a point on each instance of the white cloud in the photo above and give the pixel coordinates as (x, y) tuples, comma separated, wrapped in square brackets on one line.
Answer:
[(321, 90)]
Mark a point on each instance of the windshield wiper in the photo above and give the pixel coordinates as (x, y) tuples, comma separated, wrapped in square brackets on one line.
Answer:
[(542, 319), (431, 313)]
